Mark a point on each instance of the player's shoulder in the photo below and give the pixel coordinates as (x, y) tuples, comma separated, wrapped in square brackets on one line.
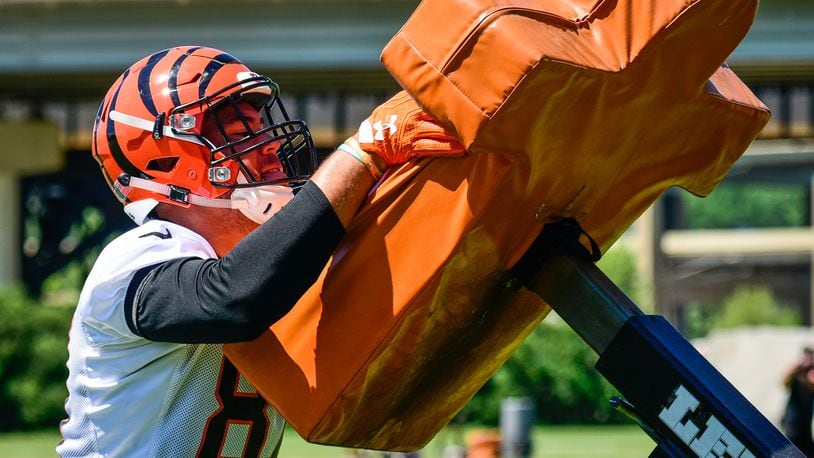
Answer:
[(156, 230), (153, 242)]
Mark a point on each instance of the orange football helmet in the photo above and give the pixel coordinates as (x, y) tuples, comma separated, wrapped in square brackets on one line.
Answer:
[(149, 142)]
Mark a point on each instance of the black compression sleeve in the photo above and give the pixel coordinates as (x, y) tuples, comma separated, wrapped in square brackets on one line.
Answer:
[(237, 297)]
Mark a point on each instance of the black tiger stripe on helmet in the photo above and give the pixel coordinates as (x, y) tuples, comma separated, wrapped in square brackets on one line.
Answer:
[(113, 141), (144, 81), (211, 69), (172, 81)]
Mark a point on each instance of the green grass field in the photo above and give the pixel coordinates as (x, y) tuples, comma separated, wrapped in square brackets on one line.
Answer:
[(548, 442)]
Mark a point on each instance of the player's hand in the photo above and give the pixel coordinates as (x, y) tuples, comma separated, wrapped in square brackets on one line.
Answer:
[(399, 130)]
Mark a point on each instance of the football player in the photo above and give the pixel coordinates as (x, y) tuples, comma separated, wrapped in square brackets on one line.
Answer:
[(233, 228)]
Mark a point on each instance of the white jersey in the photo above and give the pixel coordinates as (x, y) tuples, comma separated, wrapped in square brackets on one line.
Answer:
[(129, 396)]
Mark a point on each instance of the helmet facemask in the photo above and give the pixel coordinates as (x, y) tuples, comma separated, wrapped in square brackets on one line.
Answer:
[(229, 152)]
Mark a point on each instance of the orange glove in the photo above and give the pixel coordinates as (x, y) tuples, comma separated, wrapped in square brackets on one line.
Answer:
[(399, 130)]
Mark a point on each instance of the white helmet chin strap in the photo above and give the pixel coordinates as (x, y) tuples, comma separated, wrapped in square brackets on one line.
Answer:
[(259, 203), (256, 203)]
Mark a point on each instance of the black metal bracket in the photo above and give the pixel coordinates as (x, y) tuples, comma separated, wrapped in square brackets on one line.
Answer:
[(675, 394)]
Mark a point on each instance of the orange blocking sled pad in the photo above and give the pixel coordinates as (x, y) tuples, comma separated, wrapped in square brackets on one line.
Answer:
[(583, 109)]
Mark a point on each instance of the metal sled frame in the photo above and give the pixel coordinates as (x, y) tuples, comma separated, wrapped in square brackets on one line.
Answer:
[(678, 398)]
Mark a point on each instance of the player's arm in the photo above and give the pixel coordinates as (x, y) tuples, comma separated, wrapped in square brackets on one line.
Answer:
[(236, 297), (239, 296)]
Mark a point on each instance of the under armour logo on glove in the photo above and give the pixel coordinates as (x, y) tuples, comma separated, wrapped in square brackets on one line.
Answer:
[(368, 133), (399, 130)]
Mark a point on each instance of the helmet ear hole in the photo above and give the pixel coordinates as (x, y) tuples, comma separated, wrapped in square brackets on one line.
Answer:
[(162, 164)]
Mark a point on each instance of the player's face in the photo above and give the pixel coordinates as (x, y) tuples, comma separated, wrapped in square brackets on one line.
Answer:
[(261, 162)]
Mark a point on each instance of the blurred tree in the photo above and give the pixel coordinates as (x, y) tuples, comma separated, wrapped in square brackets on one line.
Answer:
[(619, 264), (735, 205), (555, 367), (66, 217), (753, 305), (33, 352), (747, 305)]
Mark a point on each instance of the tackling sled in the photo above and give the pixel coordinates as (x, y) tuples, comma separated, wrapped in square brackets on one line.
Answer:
[(583, 110)]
